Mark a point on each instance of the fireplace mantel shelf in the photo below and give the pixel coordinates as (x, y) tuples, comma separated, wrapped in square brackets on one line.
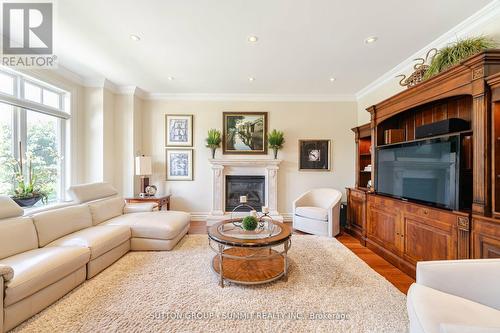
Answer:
[(262, 162)]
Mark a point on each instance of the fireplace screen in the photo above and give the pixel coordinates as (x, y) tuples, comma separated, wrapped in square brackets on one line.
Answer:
[(251, 186)]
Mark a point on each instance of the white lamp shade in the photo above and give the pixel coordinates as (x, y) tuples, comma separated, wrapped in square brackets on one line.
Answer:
[(143, 166)]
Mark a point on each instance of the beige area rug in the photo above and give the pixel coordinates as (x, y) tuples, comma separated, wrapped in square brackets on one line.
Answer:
[(329, 290)]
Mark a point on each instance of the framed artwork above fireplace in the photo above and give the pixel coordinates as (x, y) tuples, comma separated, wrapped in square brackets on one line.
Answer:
[(244, 133)]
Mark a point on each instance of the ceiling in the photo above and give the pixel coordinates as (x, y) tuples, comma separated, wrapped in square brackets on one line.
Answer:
[(203, 44)]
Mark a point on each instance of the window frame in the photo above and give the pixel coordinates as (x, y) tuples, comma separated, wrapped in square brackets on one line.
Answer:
[(21, 106)]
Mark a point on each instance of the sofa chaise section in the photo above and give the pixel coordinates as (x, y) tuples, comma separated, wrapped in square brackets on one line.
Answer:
[(150, 231), (160, 231), (32, 278), (72, 227)]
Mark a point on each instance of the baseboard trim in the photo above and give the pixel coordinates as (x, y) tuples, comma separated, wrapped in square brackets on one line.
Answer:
[(203, 216)]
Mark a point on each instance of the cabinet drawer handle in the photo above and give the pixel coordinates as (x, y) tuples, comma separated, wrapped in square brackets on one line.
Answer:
[(426, 211)]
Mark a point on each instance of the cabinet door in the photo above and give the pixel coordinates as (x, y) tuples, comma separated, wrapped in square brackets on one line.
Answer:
[(356, 212), (383, 226), (428, 240), (485, 238)]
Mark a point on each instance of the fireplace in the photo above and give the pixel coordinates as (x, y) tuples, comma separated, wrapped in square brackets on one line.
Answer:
[(253, 187), (267, 172)]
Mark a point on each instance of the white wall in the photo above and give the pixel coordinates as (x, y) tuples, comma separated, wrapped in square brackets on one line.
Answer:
[(127, 142), (299, 120)]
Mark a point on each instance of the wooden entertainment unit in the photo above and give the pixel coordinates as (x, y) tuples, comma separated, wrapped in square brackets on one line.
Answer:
[(405, 232)]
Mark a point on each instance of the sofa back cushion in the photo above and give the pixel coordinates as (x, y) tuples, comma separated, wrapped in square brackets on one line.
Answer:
[(17, 235), (93, 191), (8, 208), (57, 223), (106, 209)]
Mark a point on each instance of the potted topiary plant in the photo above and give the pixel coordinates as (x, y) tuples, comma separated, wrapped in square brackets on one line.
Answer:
[(27, 192), (213, 140), (276, 140)]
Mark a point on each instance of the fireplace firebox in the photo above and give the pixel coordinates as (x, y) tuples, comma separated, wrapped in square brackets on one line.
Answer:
[(253, 187)]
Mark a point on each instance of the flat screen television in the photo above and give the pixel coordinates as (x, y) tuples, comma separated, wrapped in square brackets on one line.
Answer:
[(426, 171)]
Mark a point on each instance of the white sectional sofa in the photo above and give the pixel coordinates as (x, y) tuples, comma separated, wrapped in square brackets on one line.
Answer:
[(455, 296), (47, 254)]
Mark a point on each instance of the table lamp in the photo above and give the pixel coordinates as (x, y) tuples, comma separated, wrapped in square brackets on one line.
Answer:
[(143, 169)]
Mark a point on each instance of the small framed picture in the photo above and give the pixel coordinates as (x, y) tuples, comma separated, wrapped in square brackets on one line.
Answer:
[(314, 155), (179, 164), (178, 130)]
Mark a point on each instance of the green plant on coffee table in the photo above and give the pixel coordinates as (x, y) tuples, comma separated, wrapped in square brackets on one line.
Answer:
[(276, 140), (456, 52), (213, 140), (249, 223)]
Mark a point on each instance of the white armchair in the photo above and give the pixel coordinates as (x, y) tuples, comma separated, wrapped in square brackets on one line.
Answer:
[(455, 296), (318, 212)]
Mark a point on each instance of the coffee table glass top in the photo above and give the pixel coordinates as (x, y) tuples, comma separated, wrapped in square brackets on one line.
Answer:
[(264, 230)]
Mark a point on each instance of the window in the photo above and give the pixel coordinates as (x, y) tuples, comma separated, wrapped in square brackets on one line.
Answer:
[(6, 146), (33, 120), (7, 83)]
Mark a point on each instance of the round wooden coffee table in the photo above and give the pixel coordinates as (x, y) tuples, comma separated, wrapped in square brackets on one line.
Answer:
[(249, 257)]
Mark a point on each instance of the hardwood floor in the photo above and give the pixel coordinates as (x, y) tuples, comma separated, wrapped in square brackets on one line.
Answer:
[(399, 279)]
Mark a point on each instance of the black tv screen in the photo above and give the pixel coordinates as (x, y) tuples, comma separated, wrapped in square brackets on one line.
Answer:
[(425, 171)]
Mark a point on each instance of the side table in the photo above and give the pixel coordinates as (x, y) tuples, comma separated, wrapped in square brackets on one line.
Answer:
[(163, 201)]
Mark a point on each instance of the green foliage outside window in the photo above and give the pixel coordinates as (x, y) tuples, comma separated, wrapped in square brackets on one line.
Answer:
[(37, 173)]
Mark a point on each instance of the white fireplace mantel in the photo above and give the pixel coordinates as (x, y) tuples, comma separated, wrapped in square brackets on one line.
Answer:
[(254, 162), (243, 167)]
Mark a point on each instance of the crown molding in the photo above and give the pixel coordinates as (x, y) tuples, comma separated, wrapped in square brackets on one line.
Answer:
[(132, 91), (488, 13), (253, 97), (69, 75)]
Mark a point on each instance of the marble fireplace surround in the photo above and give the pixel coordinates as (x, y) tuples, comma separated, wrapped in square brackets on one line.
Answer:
[(243, 167)]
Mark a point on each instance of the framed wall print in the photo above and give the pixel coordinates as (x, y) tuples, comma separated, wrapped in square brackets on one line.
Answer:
[(244, 133), (314, 155), (178, 130), (179, 164)]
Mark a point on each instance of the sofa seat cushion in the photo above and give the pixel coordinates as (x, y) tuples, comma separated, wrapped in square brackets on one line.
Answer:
[(429, 309), (154, 225), (316, 213), (99, 239), (37, 269)]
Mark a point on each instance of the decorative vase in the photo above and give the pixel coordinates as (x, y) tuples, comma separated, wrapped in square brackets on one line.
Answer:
[(275, 150), (27, 202), (213, 152)]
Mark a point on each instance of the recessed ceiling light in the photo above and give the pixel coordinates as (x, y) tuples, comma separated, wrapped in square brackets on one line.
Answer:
[(251, 79), (253, 39), (135, 38), (332, 79), (371, 39), (171, 78)]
